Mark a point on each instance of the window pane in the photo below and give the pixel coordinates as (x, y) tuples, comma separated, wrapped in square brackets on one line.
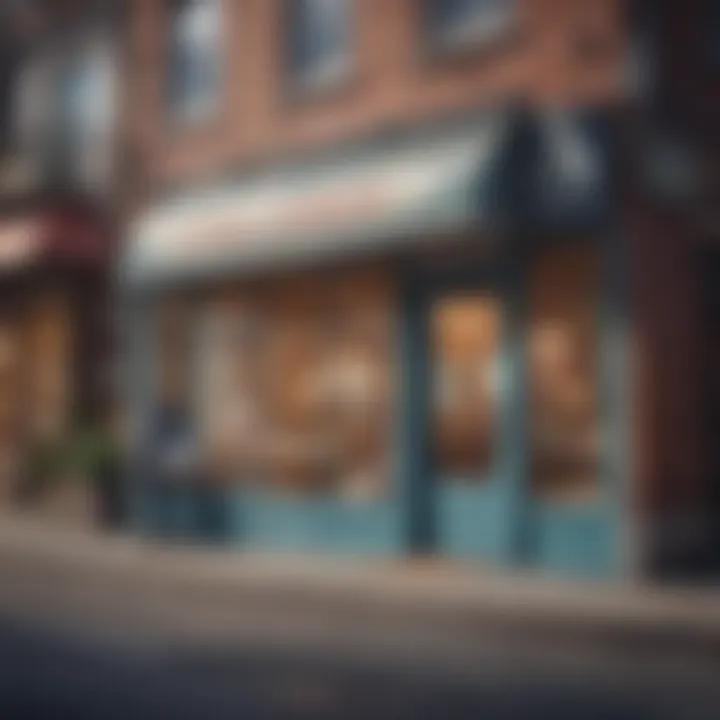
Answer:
[(563, 347), (464, 335), (320, 40), (461, 22), (195, 57), (83, 112), (298, 390), (230, 341)]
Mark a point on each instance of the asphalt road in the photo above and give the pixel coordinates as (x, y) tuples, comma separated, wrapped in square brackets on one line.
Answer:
[(82, 642)]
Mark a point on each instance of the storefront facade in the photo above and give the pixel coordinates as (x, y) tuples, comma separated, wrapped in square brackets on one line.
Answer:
[(411, 345), (53, 309)]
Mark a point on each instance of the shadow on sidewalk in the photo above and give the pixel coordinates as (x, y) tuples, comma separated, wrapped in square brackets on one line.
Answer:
[(51, 675)]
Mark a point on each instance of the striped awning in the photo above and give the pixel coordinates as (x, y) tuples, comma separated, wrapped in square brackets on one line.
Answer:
[(365, 200), (502, 169)]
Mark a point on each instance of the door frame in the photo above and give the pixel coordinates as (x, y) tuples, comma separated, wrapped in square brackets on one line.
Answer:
[(597, 541), (422, 492)]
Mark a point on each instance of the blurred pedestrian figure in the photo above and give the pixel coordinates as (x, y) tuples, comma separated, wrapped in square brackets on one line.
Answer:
[(176, 470)]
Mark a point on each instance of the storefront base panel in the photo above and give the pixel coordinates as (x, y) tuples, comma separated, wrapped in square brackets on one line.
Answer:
[(251, 521), (314, 525), (474, 523), (566, 543), (575, 543), (181, 512)]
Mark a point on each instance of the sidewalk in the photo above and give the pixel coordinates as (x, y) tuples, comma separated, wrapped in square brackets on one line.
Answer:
[(433, 592)]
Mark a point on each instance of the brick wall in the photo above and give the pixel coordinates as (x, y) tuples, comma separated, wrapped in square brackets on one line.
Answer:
[(562, 52)]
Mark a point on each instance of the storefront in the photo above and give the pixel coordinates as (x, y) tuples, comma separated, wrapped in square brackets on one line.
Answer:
[(413, 345), (53, 271)]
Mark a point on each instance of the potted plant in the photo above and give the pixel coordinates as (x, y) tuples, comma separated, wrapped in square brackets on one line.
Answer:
[(75, 478), (45, 466)]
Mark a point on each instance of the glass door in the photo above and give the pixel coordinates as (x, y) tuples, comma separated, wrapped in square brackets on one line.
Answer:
[(473, 503), (572, 503)]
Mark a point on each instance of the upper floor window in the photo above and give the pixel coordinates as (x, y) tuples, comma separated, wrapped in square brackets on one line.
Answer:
[(88, 105), (64, 112), (319, 42), (461, 24), (195, 58)]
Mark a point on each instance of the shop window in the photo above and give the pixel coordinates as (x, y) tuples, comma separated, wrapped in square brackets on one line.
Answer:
[(465, 334), (563, 373), (319, 42), (464, 24), (297, 389), (195, 58), (230, 351), (49, 364)]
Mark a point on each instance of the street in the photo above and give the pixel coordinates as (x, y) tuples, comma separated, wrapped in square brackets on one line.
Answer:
[(81, 642)]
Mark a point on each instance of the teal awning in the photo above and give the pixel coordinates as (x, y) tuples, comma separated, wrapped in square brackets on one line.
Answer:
[(391, 193)]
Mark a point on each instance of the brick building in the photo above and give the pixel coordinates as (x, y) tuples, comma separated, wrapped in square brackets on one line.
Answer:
[(57, 226), (675, 264), (386, 281)]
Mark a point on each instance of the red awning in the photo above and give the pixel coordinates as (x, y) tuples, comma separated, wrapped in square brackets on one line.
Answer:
[(62, 236)]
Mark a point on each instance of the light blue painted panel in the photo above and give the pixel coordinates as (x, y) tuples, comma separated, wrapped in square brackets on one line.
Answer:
[(473, 519), (576, 542), (318, 524), (480, 517), (585, 539)]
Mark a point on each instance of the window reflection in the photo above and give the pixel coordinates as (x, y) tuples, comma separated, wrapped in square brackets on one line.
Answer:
[(296, 386), (465, 333), (320, 41), (195, 57), (464, 23), (563, 348)]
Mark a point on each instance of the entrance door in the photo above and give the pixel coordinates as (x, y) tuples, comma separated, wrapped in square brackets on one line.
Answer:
[(511, 451), (468, 377), (572, 490)]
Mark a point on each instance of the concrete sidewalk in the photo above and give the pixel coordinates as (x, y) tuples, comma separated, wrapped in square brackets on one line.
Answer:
[(438, 593)]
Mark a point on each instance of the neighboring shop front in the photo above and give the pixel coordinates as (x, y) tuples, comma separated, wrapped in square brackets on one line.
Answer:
[(53, 269), (412, 346)]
